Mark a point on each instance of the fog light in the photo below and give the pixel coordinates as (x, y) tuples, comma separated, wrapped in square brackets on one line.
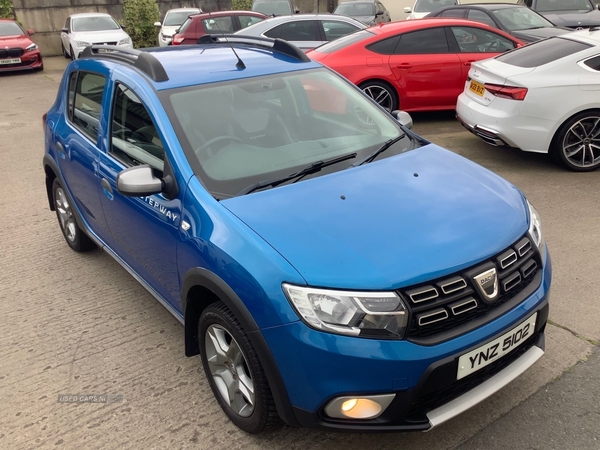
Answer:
[(367, 407)]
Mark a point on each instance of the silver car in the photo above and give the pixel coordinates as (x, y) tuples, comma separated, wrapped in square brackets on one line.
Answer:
[(306, 31)]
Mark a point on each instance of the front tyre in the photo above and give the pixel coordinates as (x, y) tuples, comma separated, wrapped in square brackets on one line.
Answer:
[(234, 371), (382, 93), (77, 239), (576, 145)]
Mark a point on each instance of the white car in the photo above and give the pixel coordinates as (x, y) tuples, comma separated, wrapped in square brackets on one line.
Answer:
[(540, 98), (174, 18), (424, 7), (86, 29)]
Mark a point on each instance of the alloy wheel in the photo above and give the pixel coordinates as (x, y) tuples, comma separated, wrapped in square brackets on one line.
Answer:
[(229, 370), (581, 144), (65, 215), (381, 95)]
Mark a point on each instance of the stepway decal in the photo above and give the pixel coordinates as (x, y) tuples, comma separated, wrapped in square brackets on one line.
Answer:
[(162, 209)]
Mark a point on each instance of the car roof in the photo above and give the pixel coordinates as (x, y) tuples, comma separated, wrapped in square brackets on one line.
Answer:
[(357, 1), (205, 15), (78, 15), (189, 65), (294, 17), (182, 10), (417, 24), (482, 6)]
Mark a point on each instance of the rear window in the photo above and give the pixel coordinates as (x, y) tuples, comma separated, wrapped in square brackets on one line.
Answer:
[(345, 41), (542, 52)]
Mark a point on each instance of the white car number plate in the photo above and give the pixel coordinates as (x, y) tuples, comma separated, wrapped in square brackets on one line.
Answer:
[(10, 61), (486, 354)]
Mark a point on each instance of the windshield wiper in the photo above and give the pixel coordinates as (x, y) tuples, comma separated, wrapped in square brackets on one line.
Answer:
[(376, 153), (312, 168)]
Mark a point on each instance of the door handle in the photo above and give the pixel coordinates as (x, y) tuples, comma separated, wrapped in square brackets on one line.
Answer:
[(107, 188), (60, 150), (404, 66)]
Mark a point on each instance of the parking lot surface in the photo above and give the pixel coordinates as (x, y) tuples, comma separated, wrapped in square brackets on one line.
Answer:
[(88, 359)]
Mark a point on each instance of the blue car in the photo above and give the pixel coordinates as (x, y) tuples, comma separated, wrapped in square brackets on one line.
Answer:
[(332, 268)]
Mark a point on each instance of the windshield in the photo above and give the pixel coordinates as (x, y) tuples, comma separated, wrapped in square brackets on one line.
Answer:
[(521, 18), (273, 8), (10, 29), (98, 23), (564, 5), (431, 5), (239, 133), (178, 17), (356, 9)]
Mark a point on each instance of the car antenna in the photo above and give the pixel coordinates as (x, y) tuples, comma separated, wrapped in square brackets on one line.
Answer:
[(240, 64)]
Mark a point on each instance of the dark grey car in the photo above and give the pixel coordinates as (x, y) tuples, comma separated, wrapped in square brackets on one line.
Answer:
[(574, 14), (368, 12), (520, 21)]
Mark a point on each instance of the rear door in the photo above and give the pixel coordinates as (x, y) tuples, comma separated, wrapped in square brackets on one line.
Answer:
[(428, 75), (76, 144), (335, 29)]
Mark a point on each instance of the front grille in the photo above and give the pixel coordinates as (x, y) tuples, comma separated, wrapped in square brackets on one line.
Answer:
[(437, 397), (446, 303), (105, 43), (11, 52)]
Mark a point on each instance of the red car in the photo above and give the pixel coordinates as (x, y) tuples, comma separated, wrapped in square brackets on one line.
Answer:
[(414, 65), (17, 50), (226, 22)]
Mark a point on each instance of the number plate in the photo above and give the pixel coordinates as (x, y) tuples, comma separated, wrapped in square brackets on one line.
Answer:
[(477, 88), (10, 61), (486, 354)]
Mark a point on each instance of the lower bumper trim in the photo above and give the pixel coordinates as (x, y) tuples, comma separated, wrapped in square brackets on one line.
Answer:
[(485, 389)]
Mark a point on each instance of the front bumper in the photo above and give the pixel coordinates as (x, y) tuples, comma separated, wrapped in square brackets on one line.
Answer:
[(317, 367), (29, 61)]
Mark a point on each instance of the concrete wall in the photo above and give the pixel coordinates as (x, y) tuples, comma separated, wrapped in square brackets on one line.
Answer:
[(47, 17)]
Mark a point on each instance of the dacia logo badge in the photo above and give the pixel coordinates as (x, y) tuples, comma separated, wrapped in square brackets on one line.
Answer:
[(487, 282)]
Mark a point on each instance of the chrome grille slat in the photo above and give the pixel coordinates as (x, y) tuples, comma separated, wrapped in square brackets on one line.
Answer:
[(454, 285), (428, 319), (463, 306), (511, 281), (423, 294), (508, 260)]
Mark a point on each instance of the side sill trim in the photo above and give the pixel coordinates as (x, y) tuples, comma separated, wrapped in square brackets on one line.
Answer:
[(485, 389), (142, 282)]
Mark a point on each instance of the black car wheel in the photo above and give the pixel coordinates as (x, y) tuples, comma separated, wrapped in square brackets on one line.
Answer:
[(576, 145), (234, 371), (77, 239), (382, 93)]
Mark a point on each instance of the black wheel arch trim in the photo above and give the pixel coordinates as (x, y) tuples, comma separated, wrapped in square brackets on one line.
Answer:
[(200, 277)]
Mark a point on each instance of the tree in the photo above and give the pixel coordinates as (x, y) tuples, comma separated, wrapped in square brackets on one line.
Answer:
[(138, 19), (6, 9)]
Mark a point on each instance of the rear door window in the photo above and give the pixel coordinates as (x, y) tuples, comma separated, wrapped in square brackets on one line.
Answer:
[(458, 13), (85, 102), (335, 29), (300, 30), (223, 24), (480, 16), (543, 52), (432, 40), (246, 21)]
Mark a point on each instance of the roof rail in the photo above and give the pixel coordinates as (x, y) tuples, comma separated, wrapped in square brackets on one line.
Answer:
[(277, 45), (144, 61)]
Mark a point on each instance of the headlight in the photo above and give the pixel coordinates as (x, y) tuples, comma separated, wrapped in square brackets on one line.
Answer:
[(364, 314), (31, 47), (535, 227), (165, 37), (81, 44), (124, 41)]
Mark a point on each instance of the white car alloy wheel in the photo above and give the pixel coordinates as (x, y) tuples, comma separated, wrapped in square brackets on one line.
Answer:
[(577, 143)]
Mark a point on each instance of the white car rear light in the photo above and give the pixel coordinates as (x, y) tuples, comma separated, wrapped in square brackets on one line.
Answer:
[(510, 92)]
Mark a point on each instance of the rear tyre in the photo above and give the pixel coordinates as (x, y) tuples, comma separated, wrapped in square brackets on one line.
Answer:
[(576, 144), (234, 371), (382, 93), (77, 239)]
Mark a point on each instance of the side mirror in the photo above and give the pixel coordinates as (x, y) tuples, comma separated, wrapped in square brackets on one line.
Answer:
[(30, 32), (123, 26), (138, 181), (407, 10), (379, 13), (297, 11), (404, 118), (65, 30), (157, 24)]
